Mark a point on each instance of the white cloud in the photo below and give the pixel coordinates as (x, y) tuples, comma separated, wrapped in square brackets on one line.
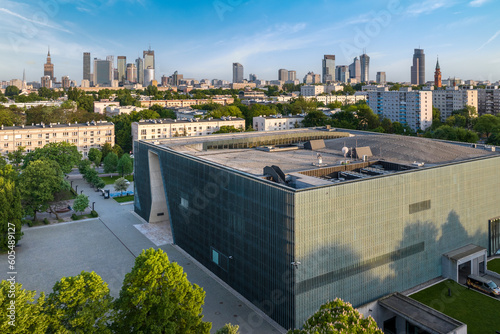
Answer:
[(478, 3), (40, 23), (428, 6)]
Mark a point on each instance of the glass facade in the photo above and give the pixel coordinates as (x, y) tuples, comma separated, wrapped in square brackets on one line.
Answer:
[(290, 250)]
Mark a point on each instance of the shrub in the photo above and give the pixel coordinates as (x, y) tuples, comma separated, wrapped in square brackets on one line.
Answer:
[(30, 223), (94, 213), (74, 216), (46, 221)]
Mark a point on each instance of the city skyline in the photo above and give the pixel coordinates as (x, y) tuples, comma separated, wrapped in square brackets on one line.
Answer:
[(204, 39)]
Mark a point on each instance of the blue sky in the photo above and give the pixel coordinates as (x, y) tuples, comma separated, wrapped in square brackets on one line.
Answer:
[(201, 39)]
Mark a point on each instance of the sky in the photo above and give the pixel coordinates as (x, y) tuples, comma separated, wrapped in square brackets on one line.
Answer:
[(201, 39)]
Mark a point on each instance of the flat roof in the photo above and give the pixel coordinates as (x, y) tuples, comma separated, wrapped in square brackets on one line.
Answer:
[(418, 313), (391, 153), (465, 251), (191, 120), (56, 125)]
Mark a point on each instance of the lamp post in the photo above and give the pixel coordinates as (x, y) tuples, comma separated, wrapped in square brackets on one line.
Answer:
[(76, 189), (93, 206), (71, 184), (81, 192)]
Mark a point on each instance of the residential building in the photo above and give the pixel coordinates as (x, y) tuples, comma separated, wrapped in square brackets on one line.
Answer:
[(238, 74), (418, 68), (187, 103), (364, 61), (311, 90), (251, 95), (277, 122), (488, 100), (48, 67), (86, 67), (103, 72), (328, 68), (355, 69), (381, 78), (412, 108), (113, 110), (46, 81), (122, 69), (292, 75), (65, 82), (243, 85), (255, 210), (452, 98), (437, 76), (311, 78), (282, 75), (168, 128), (100, 106), (83, 135), (342, 73)]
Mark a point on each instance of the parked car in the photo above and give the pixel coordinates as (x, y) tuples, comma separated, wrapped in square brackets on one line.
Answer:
[(483, 284)]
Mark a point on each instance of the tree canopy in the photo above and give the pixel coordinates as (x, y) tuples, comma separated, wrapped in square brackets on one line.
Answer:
[(65, 154), (156, 297), (11, 213)]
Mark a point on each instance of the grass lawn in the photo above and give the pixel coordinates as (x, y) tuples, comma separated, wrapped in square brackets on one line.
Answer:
[(112, 179), (478, 311), (83, 216), (123, 199), (494, 265)]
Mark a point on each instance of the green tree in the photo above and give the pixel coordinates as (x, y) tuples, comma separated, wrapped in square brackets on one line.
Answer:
[(105, 149), (121, 184), (228, 129), (91, 175), (16, 157), (81, 203), (65, 154), (367, 118), (95, 156), (125, 166), (11, 91), (84, 166), (338, 317), (315, 118), (45, 92), (386, 124), (110, 162), (156, 297), (99, 183), (79, 304), (229, 329), (38, 183), (29, 313), (11, 213), (486, 124)]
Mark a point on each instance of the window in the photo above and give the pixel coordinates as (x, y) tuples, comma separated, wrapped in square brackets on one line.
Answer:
[(28, 143), (54, 134), (6, 137), (494, 236), (219, 259), (143, 131), (28, 136), (84, 140), (39, 143), (6, 145), (153, 130), (65, 134), (75, 133), (18, 136), (91, 133), (184, 201), (18, 143)]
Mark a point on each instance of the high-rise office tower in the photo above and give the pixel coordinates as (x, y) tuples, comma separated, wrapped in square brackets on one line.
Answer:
[(282, 75), (86, 66), (342, 73), (252, 77), (418, 68), (122, 68), (48, 67), (365, 67), (139, 63), (112, 60), (437, 75), (149, 76), (237, 73), (292, 75), (355, 69), (103, 72), (381, 79), (131, 73), (328, 66), (149, 60)]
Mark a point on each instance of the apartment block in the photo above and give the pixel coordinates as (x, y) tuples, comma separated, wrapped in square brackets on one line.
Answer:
[(311, 90), (277, 122), (452, 98), (83, 135), (488, 100), (186, 103), (412, 108)]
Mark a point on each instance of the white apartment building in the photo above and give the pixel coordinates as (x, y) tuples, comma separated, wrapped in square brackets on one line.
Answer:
[(488, 100), (277, 122), (312, 90), (83, 135), (453, 98), (100, 106), (413, 108), (344, 99), (167, 128), (187, 103)]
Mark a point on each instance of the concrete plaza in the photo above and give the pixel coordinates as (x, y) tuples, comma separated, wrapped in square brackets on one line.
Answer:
[(108, 245)]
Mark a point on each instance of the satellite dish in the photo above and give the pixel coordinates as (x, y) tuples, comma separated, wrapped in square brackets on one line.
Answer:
[(345, 150)]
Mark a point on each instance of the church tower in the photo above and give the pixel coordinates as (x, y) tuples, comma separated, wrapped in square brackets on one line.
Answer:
[(48, 67), (437, 76)]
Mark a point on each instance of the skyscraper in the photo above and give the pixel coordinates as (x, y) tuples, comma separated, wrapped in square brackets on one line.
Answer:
[(237, 73), (381, 79), (437, 75), (282, 75), (86, 66), (418, 68), (292, 75), (122, 68), (131, 72), (252, 77), (103, 72), (342, 74), (149, 60), (48, 67), (365, 67), (355, 69), (328, 66), (139, 63)]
